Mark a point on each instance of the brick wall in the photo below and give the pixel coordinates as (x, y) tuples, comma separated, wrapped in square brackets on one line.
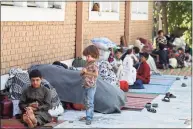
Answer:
[(141, 28), (26, 43), (111, 29)]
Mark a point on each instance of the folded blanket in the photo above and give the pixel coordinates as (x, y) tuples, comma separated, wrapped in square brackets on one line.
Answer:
[(108, 98)]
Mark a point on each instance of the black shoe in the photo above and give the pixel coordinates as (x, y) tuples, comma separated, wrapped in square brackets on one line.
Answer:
[(88, 122), (185, 77), (177, 78), (184, 85)]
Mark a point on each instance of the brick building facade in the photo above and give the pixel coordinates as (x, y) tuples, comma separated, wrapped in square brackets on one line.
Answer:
[(37, 42)]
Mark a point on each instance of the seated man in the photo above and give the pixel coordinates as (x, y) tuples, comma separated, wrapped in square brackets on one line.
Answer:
[(143, 73), (35, 102)]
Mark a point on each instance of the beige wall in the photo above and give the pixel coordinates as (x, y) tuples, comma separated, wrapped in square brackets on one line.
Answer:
[(26, 43), (110, 29), (141, 28)]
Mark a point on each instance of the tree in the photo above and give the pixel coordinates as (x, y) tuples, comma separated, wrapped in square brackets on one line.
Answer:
[(180, 19), (164, 16), (177, 18)]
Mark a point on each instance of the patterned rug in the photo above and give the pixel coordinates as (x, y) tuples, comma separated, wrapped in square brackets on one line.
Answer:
[(137, 101), (16, 124), (187, 71)]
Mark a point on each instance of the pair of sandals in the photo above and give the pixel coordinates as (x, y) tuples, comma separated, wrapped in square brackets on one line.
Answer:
[(183, 84), (185, 78), (149, 109), (168, 96)]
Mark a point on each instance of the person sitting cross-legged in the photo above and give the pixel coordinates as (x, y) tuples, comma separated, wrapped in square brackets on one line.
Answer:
[(143, 73), (35, 102)]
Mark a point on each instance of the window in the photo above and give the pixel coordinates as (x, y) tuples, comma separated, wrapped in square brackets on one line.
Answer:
[(139, 10), (31, 3), (104, 11), (32, 10), (4, 3)]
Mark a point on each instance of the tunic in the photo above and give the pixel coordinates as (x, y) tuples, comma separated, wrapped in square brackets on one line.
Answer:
[(43, 97), (129, 72)]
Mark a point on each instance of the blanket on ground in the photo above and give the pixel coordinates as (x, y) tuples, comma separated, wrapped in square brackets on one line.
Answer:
[(108, 98)]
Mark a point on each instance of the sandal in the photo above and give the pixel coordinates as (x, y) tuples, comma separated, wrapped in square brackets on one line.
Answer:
[(183, 85), (155, 105), (166, 98), (151, 110), (82, 118), (170, 95), (185, 77), (177, 78), (148, 105)]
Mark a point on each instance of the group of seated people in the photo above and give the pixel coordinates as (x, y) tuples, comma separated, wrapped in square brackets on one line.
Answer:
[(132, 67), (176, 55)]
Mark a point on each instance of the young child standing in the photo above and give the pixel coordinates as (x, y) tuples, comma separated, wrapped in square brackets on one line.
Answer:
[(90, 74)]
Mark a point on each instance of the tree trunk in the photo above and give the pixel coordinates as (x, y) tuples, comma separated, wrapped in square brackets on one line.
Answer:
[(164, 16), (158, 8)]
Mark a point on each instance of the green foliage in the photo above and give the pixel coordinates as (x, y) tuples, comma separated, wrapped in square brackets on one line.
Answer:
[(179, 15)]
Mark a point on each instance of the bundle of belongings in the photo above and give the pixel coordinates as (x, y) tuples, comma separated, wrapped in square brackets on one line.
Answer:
[(68, 85), (18, 81), (103, 44)]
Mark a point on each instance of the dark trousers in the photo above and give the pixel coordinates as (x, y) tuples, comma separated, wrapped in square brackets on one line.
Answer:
[(163, 56), (137, 85)]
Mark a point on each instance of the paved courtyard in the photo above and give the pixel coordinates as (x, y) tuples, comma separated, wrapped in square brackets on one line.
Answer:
[(173, 114)]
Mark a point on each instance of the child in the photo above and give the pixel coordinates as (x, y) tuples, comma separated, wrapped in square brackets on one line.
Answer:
[(188, 58), (161, 40), (163, 57), (90, 74), (180, 58), (111, 55), (129, 72), (35, 102), (172, 61), (136, 53), (118, 65), (143, 73)]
